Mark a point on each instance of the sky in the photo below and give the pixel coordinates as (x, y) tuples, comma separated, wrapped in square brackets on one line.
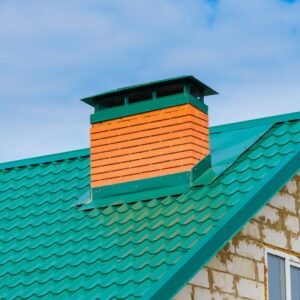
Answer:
[(53, 53)]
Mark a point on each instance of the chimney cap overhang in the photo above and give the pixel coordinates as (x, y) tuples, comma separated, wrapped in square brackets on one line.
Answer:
[(131, 91)]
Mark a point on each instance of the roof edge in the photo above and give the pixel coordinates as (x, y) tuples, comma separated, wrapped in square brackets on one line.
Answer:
[(45, 159), (255, 122), (201, 253)]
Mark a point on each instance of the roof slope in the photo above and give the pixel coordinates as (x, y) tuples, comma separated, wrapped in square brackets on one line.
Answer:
[(146, 249)]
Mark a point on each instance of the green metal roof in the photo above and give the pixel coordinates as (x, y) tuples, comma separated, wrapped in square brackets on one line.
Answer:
[(145, 249)]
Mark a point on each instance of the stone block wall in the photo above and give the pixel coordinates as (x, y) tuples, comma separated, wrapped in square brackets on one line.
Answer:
[(238, 270)]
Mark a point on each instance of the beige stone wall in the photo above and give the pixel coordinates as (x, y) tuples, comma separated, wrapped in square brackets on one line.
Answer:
[(238, 270)]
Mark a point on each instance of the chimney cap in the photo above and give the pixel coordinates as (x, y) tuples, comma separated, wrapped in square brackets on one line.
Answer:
[(171, 83)]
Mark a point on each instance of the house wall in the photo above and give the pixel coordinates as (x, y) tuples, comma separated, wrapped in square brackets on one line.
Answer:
[(238, 270)]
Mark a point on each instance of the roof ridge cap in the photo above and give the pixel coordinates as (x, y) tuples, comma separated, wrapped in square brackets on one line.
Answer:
[(255, 122)]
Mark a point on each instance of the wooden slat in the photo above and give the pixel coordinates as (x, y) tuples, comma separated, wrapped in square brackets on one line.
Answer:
[(115, 165), (143, 169), (169, 123), (180, 130), (139, 119), (191, 141), (151, 126), (149, 134), (135, 120), (115, 157), (147, 140)]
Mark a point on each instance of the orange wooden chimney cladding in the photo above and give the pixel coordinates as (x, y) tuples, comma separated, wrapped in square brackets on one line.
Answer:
[(151, 144)]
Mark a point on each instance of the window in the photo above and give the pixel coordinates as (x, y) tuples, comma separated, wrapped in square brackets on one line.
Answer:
[(283, 275)]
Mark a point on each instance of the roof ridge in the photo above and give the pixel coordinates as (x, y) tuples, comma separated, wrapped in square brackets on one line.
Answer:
[(255, 122), (44, 159)]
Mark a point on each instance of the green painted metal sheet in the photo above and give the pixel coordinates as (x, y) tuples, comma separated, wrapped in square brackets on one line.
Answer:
[(92, 100), (139, 190), (144, 249), (227, 146), (146, 106)]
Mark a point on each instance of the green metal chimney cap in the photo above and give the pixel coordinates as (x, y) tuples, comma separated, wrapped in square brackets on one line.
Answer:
[(149, 90)]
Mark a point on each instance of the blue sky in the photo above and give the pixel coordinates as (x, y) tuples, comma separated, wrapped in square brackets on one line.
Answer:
[(52, 53)]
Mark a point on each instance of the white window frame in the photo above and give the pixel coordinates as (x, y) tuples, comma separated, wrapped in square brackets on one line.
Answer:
[(289, 260)]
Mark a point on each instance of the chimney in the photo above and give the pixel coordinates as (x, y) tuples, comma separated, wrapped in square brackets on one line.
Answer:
[(151, 130)]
